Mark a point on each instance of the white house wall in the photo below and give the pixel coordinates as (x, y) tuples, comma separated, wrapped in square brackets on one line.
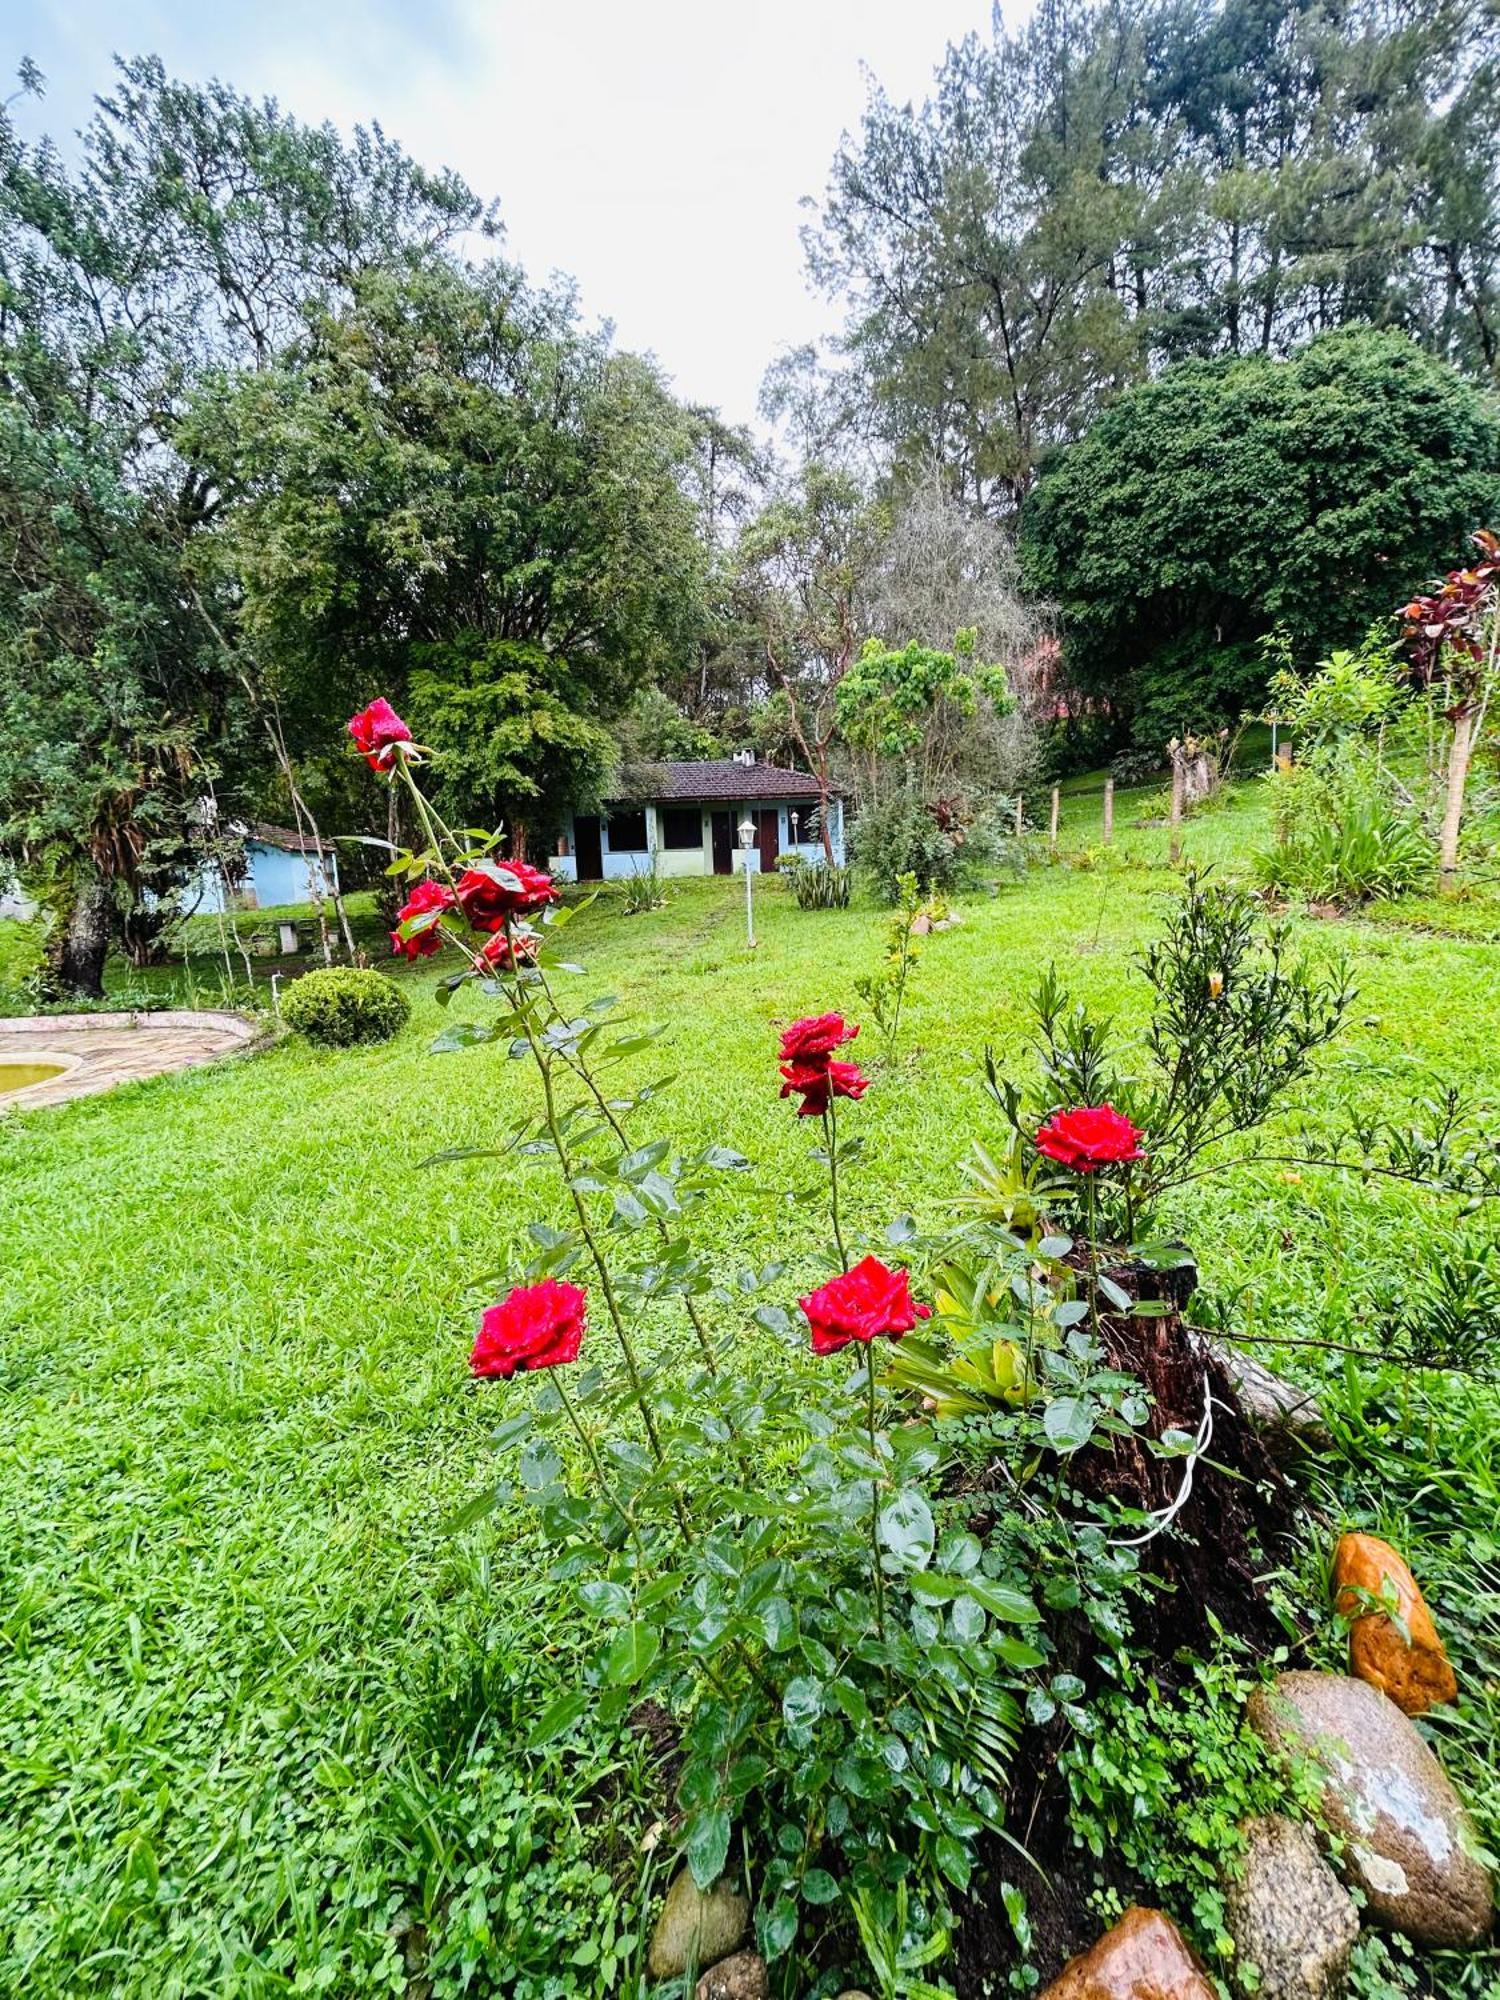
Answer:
[(618, 863)]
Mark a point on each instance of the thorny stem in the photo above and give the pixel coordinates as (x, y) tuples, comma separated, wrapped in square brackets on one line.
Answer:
[(876, 1570), (606, 1111), (830, 1132), (599, 1473), (596, 1255)]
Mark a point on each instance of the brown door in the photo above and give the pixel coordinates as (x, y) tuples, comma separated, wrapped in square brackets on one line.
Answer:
[(723, 838), (768, 837), (588, 847)]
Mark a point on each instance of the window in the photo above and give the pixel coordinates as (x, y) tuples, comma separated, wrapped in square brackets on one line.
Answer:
[(627, 833), (682, 826)]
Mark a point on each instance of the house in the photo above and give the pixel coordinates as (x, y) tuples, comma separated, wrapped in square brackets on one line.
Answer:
[(281, 867), (686, 818)]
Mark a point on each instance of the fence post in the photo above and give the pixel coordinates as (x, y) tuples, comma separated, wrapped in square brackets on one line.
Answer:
[(1056, 795), (1179, 776), (1109, 810)]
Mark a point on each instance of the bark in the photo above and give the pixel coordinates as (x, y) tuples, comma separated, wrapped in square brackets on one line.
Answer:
[(81, 945), (1459, 752)]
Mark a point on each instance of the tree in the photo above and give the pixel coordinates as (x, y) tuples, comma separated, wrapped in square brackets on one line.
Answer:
[(804, 561), (194, 233), (448, 486), (1124, 183), (1231, 496), (1452, 637)]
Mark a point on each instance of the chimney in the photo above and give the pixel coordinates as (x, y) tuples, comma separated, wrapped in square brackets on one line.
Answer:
[(744, 756)]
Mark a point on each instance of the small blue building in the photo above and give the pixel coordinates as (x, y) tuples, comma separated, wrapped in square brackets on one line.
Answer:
[(686, 818), (281, 867)]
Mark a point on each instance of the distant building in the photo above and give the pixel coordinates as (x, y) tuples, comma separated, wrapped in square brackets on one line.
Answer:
[(281, 867), (686, 818)]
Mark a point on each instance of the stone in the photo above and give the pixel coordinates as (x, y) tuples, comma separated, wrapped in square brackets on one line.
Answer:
[(696, 1925), (1290, 1917), (1414, 1671), (742, 1977), (1290, 1417), (1144, 1957), (1410, 1844)]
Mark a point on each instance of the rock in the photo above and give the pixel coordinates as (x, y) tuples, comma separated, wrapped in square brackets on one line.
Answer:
[(1284, 1412), (743, 1977), (1288, 1914), (1142, 1958), (1416, 1676), (696, 1924), (1410, 1842)]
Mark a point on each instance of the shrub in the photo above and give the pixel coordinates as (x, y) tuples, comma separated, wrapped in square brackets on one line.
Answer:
[(942, 842), (817, 885), (342, 1004), (644, 890), (1342, 833)]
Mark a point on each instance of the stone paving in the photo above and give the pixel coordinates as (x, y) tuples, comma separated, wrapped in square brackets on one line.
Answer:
[(97, 1051)]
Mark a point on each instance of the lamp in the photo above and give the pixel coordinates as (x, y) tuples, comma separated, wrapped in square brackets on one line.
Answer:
[(747, 839)]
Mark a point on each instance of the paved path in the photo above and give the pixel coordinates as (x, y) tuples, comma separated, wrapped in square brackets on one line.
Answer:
[(97, 1051)]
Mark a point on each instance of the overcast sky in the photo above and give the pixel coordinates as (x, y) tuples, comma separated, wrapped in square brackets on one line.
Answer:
[(657, 150)]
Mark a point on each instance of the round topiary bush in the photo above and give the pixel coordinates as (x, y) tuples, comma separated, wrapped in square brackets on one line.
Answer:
[(342, 1004)]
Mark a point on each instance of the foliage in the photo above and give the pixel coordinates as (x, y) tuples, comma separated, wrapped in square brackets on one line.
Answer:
[(884, 992), (802, 562), (644, 890), (942, 842), (510, 726), (1342, 833), (1191, 518), (654, 730), (817, 885), (193, 233), (1163, 1779), (1236, 1021), (1107, 189), (338, 1005), (449, 476), (890, 699)]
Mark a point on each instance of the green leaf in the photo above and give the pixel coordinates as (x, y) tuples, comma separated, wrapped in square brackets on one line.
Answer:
[(708, 1845), (632, 1654), (558, 1719), (907, 1529), (778, 1624), (1068, 1422), (802, 1702), (776, 1927), (1004, 1602), (954, 1859)]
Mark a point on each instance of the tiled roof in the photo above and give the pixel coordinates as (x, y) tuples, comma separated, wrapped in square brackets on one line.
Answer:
[(285, 836), (719, 778)]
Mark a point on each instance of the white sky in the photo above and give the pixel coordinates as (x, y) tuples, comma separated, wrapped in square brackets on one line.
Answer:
[(656, 150)]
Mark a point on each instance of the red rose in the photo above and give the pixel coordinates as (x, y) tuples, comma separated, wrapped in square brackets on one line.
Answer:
[(429, 900), (506, 953), (495, 890), (859, 1305), (1094, 1135), (818, 1036), (819, 1080), (535, 1326), (376, 731)]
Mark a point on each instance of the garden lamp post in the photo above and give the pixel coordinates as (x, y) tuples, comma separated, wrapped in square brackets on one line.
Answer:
[(747, 837), (796, 819)]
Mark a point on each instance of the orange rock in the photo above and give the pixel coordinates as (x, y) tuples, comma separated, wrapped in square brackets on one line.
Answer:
[(1142, 1958), (1415, 1676)]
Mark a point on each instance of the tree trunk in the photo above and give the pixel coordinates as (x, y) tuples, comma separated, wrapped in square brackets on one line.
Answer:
[(81, 945), (1458, 777)]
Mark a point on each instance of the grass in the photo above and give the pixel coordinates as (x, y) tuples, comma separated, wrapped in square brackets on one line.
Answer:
[(258, 1707)]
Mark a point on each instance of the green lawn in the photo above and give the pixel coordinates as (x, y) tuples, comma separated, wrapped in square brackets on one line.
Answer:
[(257, 1704)]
